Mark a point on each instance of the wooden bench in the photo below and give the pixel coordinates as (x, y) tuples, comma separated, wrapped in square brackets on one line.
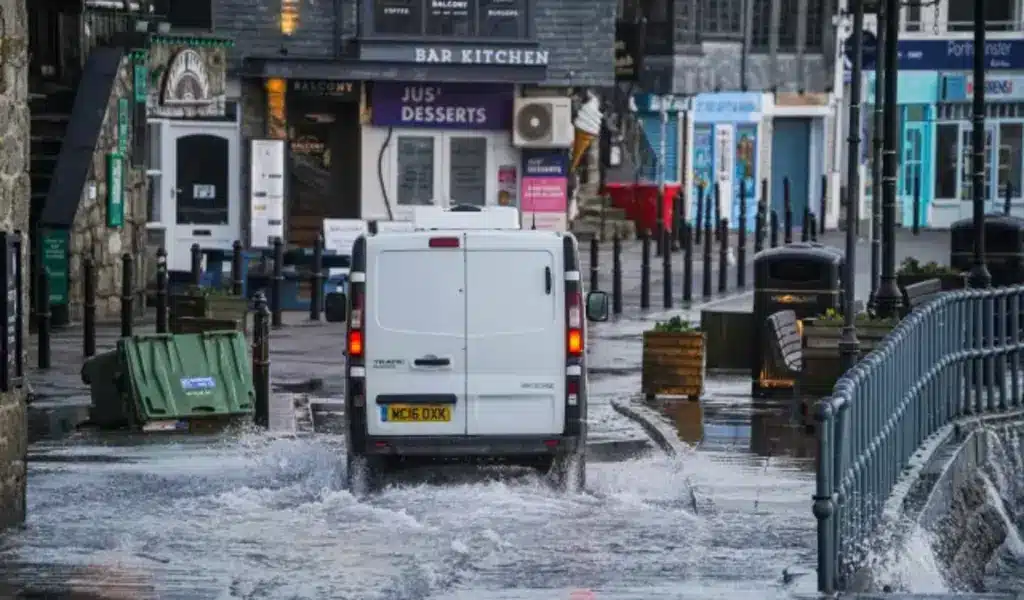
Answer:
[(917, 294)]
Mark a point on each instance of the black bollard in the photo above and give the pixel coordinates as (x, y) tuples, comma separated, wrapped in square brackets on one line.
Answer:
[(43, 318), (775, 228), (805, 228), (680, 219), (645, 270), (916, 226), (759, 230), (161, 290), (718, 209), (814, 227), (699, 220), (762, 210), (723, 256), (89, 305), (278, 281), (666, 269), (196, 257), (593, 264), (127, 267), (616, 273), (1007, 205), (316, 294), (787, 212), (708, 237), (261, 361), (237, 279), (823, 207), (687, 262), (741, 241)]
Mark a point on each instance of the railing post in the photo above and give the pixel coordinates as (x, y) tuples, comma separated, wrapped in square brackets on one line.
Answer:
[(824, 507)]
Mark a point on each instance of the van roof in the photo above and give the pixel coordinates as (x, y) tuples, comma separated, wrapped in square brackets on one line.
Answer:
[(487, 217)]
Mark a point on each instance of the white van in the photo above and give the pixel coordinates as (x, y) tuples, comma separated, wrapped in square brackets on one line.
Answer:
[(467, 345)]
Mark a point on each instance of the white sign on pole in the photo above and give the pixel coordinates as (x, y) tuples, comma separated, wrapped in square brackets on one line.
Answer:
[(724, 168), (266, 189), (340, 234)]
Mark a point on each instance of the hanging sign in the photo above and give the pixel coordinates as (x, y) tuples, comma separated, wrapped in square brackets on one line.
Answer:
[(724, 169), (115, 190)]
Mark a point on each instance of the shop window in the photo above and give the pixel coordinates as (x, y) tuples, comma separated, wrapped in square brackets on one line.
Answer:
[(998, 15), (491, 19), (1010, 150), (946, 159), (467, 170), (415, 170)]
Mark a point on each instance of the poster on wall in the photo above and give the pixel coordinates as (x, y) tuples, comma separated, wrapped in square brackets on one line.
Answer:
[(266, 187), (508, 194), (544, 190), (724, 154), (745, 174), (703, 163)]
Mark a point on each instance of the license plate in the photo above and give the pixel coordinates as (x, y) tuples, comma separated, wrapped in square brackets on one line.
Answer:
[(416, 413)]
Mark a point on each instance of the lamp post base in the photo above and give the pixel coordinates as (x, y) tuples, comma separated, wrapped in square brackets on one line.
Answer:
[(888, 299), (979, 277)]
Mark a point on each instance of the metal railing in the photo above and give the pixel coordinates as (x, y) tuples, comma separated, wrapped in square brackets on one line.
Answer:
[(948, 359)]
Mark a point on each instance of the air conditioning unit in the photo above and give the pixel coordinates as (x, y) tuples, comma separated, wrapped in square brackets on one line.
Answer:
[(542, 123)]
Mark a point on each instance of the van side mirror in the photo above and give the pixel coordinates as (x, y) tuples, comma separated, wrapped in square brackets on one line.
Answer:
[(597, 306)]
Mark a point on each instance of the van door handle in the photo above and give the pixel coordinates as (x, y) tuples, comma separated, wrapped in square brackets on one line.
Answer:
[(432, 361), (547, 280)]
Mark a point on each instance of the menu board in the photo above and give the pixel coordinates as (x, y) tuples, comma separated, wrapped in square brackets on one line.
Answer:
[(267, 189), (398, 17), (502, 18), (415, 170), (12, 311), (450, 17)]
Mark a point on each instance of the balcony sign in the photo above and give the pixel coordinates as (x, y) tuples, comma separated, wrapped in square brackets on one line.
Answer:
[(451, 19)]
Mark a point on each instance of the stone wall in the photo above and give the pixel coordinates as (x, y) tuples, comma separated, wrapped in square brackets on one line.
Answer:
[(14, 209), (90, 233)]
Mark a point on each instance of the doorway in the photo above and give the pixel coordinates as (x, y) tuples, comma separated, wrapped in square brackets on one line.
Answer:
[(912, 181), (444, 169), (199, 182), (791, 159)]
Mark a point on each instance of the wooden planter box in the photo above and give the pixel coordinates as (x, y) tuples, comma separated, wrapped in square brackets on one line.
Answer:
[(208, 307), (822, 363), (950, 281), (673, 364)]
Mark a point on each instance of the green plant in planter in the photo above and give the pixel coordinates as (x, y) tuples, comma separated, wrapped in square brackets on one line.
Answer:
[(675, 325), (867, 318), (912, 266)]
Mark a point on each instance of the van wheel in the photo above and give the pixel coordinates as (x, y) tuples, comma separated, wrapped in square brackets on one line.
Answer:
[(363, 474), (569, 472)]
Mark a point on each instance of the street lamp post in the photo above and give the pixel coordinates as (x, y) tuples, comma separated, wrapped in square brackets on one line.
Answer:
[(979, 277), (887, 297), (849, 346), (876, 155)]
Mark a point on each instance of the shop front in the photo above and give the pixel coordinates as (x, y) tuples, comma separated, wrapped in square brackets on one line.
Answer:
[(729, 149), (1004, 152), (438, 144), (194, 163)]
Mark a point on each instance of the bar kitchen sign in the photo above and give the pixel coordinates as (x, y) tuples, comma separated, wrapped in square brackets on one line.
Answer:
[(443, 106), (441, 54)]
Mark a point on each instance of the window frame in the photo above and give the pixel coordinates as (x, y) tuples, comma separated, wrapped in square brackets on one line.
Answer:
[(368, 26), (958, 128)]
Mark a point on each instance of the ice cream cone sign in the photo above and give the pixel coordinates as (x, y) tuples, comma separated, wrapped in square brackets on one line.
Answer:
[(586, 127)]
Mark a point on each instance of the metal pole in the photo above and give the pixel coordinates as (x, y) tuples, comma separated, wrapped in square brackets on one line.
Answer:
[(43, 318), (127, 269), (317, 279), (849, 345), (261, 361), (659, 209), (89, 312), (878, 139), (161, 290), (276, 283), (887, 300), (979, 277), (196, 266)]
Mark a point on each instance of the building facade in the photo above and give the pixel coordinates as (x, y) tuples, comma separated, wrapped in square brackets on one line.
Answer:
[(935, 88), (365, 109)]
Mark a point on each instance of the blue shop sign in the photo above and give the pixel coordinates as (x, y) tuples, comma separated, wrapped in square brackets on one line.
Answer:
[(956, 55), (727, 107)]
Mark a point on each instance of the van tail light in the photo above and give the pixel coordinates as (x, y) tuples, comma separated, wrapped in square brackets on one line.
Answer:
[(444, 242), (574, 323), (572, 392), (354, 342)]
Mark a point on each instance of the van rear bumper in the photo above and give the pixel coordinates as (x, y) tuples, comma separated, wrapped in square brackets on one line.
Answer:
[(471, 445)]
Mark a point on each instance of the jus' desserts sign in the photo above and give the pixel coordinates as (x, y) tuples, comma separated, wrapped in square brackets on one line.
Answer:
[(444, 106)]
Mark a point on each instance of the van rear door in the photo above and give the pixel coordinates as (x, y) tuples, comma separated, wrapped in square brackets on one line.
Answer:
[(515, 333), (415, 334)]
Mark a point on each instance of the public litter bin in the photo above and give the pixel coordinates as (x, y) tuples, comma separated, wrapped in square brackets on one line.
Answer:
[(805, 278), (110, 408), (1004, 248)]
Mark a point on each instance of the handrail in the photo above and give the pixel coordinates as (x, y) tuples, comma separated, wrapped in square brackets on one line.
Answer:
[(942, 362)]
